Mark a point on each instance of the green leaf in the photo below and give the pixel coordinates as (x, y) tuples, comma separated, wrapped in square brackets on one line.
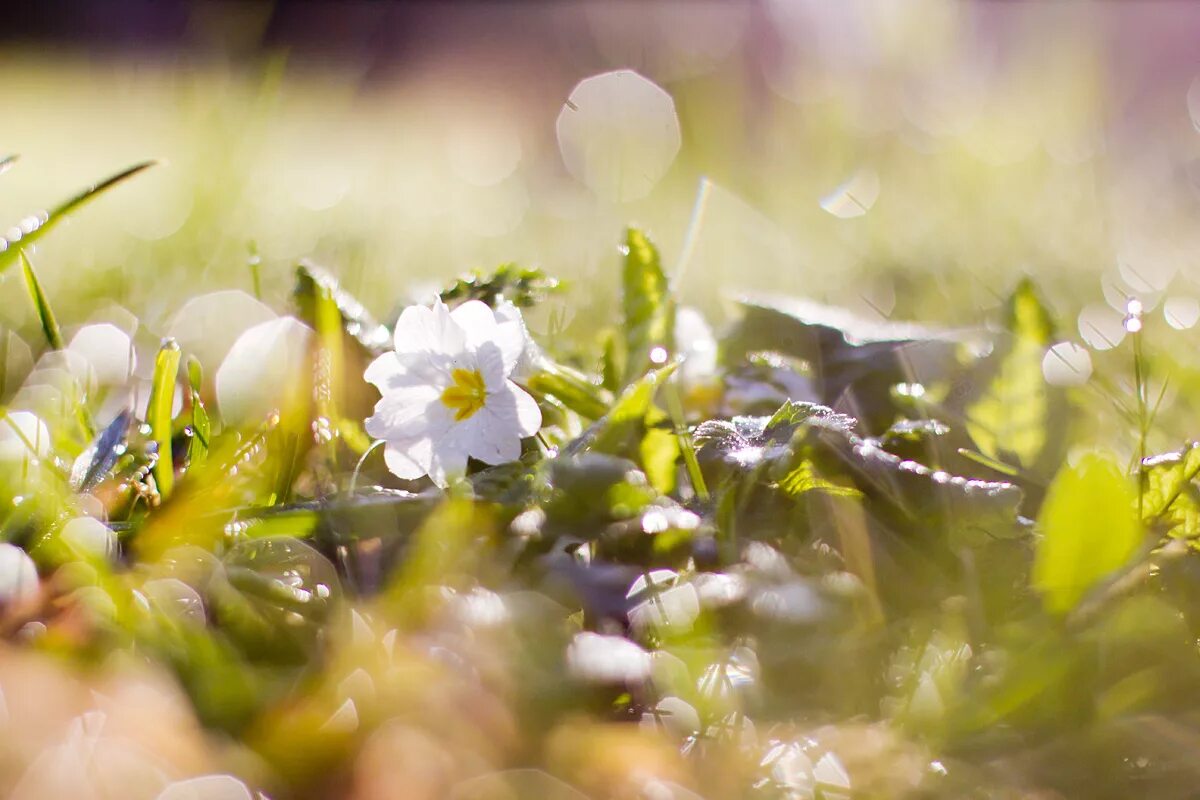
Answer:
[(649, 309), (659, 452), (522, 286), (1089, 529), (571, 388), (803, 477), (1170, 495), (41, 224), (41, 305), (612, 432), (201, 427), (325, 305), (275, 593), (805, 447), (826, 349), (1014, 416), (54, 338), (158, 414)]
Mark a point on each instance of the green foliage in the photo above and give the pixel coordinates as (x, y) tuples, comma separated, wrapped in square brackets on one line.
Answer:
[(626, 422), (747, 560), (1089, 529), (201, 429), (571, 388), (1011, 413), (648, 308), (41, 305), (158, 414), (1170, 496), (40, 224), (521, 286)]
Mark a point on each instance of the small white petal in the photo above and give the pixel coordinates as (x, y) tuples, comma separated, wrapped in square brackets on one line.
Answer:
[(403, 413), (449, 461), (520, 351), (383, 370), (529, 416), (495, 439), (477, 322), (413, 330), (402, 460), (428, 330), (489, 360)]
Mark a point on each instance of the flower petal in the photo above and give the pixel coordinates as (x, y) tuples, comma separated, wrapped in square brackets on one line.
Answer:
[(392, 371), (383, 370), (403, 412), (528, 415), (449, 459), (494, 438), (477, 320), (513, 336), (408, 461), (489, 360), (429, 330)]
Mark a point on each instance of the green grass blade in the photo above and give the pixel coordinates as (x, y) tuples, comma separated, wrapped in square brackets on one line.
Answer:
[(53, 333), (201, 427), (158, 414), (40, 224), (41, 305)]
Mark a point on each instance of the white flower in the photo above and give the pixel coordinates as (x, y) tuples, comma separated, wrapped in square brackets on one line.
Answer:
[(447, 394)]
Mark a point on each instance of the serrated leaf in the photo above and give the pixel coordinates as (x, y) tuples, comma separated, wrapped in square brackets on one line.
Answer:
[(1170, 495), (805, 446), (1012, 414), (34, 227), (804, 478), (848, 362), (1089, 529), (647, 304), (521, 286)]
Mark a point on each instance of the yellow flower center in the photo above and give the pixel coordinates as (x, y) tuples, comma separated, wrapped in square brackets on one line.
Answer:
[(466, 395)]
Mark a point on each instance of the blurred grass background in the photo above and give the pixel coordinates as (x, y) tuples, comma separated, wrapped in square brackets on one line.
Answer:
[(401, 145)]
